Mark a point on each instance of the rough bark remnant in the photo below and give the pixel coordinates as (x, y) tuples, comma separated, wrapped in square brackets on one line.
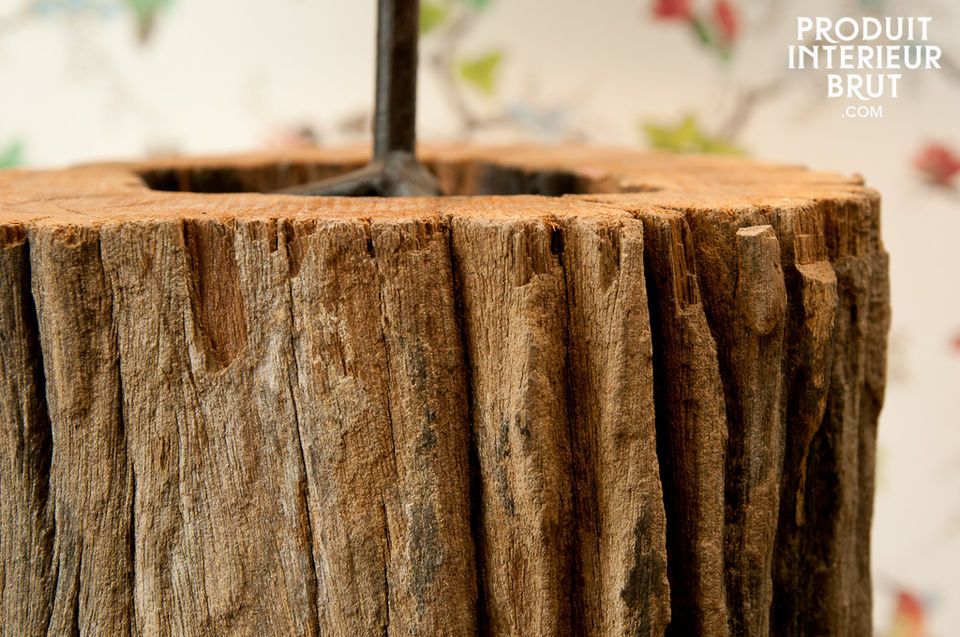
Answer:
[(647, 407)]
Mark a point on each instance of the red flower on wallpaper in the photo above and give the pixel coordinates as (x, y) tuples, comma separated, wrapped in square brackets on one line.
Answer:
[(716, 31), (909, 616), (672, 10), (725, 18), (938, 164), (955, 343)]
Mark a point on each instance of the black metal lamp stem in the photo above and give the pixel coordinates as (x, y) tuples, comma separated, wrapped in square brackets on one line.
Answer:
[(394, 171), (395, 120)]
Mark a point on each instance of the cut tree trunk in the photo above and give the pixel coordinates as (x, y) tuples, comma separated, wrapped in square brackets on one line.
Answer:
[(638, 396)]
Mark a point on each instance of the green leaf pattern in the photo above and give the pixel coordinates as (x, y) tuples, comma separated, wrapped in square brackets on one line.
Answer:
[(482, 72), (686, 137), (432, 16), (11, 155)]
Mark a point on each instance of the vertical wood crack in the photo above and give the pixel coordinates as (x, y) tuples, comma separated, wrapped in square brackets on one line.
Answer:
[(475, 481), (288, 235)]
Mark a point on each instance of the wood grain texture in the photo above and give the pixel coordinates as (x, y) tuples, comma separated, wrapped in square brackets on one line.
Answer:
[(90, 482), (513, 302), (26, 543), (618, 499), (691, 429), (645, 407), (745, 302)]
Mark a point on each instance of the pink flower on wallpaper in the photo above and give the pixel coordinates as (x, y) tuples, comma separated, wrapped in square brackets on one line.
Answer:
[(955, 343), (672, 10), (285, 137), (939, 164), (725, 17)]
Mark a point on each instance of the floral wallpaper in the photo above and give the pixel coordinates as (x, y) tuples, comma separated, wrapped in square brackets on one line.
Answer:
[(83, 80)]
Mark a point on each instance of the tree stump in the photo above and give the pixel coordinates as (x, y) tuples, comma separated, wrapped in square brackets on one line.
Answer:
[(637, 396)]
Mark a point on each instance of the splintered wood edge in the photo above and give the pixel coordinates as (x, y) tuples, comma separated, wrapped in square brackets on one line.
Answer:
[(101, 194)]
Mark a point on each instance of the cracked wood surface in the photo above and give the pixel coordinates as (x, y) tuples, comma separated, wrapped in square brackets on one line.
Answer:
[(646, 407)]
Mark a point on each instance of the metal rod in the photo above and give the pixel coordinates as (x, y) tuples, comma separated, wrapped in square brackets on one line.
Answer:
[(394, 171), (395, 118)]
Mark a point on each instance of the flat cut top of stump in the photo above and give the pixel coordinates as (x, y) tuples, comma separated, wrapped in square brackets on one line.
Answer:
[(233, 186)]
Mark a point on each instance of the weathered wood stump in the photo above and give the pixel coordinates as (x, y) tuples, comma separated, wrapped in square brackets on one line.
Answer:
[(645, 407)]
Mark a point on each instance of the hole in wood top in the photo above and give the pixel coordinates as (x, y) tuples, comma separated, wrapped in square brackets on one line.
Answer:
[(466, 178)]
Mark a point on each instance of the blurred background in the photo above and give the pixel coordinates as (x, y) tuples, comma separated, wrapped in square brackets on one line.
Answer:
[(85, 80)]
